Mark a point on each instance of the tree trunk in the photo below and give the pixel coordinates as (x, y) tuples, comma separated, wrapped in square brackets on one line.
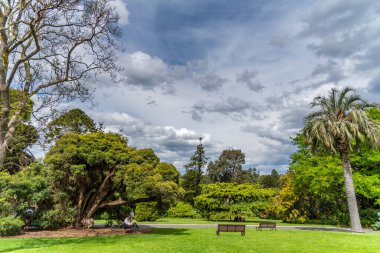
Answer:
[(350, 192)]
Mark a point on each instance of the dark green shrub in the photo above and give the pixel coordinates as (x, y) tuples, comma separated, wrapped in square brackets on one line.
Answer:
[(10, 226), (368, 217), (221, 216), (55, 218), (146, 211), (181, 210), (376, 226)]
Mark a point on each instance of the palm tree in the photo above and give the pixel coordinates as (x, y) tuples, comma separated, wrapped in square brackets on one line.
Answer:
[(340, 121)]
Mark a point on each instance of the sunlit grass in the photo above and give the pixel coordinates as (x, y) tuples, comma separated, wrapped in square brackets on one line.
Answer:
[(204, 240)]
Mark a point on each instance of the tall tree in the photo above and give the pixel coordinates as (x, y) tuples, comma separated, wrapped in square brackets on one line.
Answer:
[(47, 48), (228, 168), (193, 176), (340, 120)]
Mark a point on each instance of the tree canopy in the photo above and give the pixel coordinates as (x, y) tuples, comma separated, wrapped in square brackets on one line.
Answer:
[(98, 170), (47, 48)]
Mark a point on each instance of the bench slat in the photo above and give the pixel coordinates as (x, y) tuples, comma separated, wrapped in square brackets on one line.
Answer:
[(230, 228)]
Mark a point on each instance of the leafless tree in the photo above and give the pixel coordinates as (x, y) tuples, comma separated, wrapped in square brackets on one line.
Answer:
[(47, 49)]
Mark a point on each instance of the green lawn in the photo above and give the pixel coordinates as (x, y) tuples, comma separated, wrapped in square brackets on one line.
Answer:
[(251, 221), (172, 220), (204, 240)]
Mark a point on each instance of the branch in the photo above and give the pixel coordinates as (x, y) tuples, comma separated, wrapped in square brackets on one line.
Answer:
[(113, 203)]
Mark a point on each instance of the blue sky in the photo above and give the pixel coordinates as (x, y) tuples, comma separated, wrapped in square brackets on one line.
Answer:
[(240, 74)]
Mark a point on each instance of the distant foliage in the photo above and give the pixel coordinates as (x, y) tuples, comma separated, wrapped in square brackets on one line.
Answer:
[(146, 211), (237, 199), (182, 210), (192, 178)]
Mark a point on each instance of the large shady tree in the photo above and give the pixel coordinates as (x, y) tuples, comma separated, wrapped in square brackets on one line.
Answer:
[(340, 121), (95, 171), (47, 48)]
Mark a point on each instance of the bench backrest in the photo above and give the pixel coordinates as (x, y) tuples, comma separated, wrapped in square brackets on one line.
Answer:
[(231, 228), (267, 224)]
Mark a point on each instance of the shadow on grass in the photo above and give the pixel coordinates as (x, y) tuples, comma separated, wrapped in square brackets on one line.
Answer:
[(34, 243), (170, 231)]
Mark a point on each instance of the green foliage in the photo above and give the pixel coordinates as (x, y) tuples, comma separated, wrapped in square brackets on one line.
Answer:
[(182, 210), (340, 120), (228, 168), (146, 211), (72, 121), (10, 226), (219, 216), (376, 226), (270, 181), (25, 189), (57, 217), (368, 217), (99, 171), (25, 135), (234, 198), (192, 178), (314, 186)]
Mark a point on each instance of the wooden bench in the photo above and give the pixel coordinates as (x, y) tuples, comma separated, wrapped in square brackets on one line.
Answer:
[(230, 228), (270, 225)]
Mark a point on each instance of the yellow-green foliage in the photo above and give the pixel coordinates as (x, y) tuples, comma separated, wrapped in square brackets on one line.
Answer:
[(232, 197)]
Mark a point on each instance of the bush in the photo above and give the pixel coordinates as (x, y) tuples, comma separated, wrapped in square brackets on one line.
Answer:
[(368, 217), (10, 226), (146, 211), (221, 216), (182, 210), (55, 218), (376, 226)]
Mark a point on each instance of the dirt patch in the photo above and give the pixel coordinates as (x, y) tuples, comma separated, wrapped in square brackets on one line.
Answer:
[(77, 232)]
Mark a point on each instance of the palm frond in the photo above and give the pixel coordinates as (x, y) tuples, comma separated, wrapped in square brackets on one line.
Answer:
[(340, 118)]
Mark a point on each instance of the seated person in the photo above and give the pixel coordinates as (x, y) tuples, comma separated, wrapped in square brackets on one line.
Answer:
[(129, 224)]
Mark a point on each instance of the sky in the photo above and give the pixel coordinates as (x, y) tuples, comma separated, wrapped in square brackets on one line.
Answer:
[(240, 74)]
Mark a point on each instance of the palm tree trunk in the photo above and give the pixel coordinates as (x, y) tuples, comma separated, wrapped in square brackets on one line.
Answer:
[(350, 192)]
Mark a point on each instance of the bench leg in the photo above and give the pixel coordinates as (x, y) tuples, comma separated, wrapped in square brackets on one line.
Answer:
[(217, 233)]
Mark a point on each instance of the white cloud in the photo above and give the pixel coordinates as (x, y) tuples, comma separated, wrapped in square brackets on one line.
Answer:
[(121, 8)]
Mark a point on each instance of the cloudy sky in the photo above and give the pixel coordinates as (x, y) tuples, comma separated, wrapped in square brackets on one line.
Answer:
[(240, 74)]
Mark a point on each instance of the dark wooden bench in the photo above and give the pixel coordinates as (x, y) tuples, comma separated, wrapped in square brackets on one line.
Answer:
[(267, 224), (230, 228)]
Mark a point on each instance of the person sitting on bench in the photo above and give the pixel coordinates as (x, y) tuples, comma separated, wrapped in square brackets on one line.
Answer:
[(129, 224)]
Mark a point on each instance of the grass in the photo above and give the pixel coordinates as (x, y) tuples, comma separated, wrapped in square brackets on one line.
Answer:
[(204, 240), (250, 221)]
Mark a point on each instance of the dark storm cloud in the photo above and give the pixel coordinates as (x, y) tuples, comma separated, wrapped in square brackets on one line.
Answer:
[(331, 71), (266, 133), (249, 79), (374, 85), (370, 59), (210, 82), (234, 107), (343, 28)]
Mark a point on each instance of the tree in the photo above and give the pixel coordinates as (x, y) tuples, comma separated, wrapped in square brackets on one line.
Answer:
[(235, 199), (72, 121), (340, 120), (47, 48), (193, 176), (228, 168), (25, 136), (270, 181), (96, 171)]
